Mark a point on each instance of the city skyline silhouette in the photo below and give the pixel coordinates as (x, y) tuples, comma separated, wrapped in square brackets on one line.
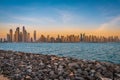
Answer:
[(24, 36)]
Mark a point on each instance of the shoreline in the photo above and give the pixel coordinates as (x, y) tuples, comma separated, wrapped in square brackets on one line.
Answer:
[(29, 66)]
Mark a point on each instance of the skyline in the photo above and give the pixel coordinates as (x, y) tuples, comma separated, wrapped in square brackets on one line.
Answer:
[(24, 36), (99, 17)]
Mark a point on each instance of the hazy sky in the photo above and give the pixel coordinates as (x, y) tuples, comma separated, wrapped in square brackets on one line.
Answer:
[(100, 17)]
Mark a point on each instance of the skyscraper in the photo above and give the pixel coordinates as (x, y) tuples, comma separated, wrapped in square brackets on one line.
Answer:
[(0, 39), (11, 35), (34, 36), (17, 34), (28, 37), (20, 37), (24, 36), (8, 37)]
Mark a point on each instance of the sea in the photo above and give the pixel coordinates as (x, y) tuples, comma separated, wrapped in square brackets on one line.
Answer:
[(109, 52)]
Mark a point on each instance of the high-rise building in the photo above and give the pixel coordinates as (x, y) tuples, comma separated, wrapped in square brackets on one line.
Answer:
[(11, 35), (20, 37), (4, 40), (8, 37), (34, 36), (0, 39), (17, 35), (24, 36), (48, 38), (42, 38), (28, 37), (31, 39), (52, 39)]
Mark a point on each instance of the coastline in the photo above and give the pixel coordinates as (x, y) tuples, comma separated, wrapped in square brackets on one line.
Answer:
[(28, 66)]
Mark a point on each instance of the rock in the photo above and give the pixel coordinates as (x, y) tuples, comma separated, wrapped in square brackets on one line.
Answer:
[(3, 78), (51, 73), (49, 66), (61, 59), (92, 71), (29, 70), (28, 77), (55, 63), (41, 63), (79, 70), (71, 65), (118, 75), (60, 69), (54, 58), (105, 78), (61, 78), (29, 67), (17, 77), (98, 65), (79, 78), (71, 74)]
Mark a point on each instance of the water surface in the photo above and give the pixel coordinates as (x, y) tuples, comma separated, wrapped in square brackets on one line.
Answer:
[(92, 51)]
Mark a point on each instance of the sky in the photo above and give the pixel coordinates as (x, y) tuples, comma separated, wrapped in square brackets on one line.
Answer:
[(97, 17)]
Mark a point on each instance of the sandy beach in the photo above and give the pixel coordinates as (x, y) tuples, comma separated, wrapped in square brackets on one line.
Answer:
[(30, 66)]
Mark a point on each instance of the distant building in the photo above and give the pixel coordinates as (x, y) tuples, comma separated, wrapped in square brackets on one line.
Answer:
[(48, 38), (58, 39), (42, 38), (8, 38), (34, 36), (5, 40), (31, 40), (11, 35), (28, 37), (17, 35), (24, 36), (52, 39), (62, 39), (1, 40), (20, 37)]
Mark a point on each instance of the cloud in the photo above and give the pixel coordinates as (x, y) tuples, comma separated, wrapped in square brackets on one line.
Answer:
[(112, 25), (25, 18), (65, 16), (35, 20)]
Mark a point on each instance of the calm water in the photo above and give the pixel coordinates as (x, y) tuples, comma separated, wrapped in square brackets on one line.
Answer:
[(92, 51)]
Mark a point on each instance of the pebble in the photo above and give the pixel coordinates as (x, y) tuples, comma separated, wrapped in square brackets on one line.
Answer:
[(73, 65), (28, 66)]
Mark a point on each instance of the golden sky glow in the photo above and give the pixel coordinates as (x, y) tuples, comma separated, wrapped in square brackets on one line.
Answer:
[(61, 31)]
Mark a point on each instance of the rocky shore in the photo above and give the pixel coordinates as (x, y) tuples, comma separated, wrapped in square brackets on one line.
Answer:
[(28, 66)]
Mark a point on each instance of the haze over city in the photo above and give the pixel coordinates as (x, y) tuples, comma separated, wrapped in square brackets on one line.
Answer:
[(53, 17)]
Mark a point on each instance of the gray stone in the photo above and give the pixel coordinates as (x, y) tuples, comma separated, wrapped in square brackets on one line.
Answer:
[(73, 65), (93, 71), (29, 70), (79, 78), (51, 73), (118, 75)]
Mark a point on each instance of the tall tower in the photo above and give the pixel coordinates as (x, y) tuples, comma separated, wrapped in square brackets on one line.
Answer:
[(8, 37), (11, 35), (17, 34), (28, 37), (34, 36), (24, 36), (20, 37)]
